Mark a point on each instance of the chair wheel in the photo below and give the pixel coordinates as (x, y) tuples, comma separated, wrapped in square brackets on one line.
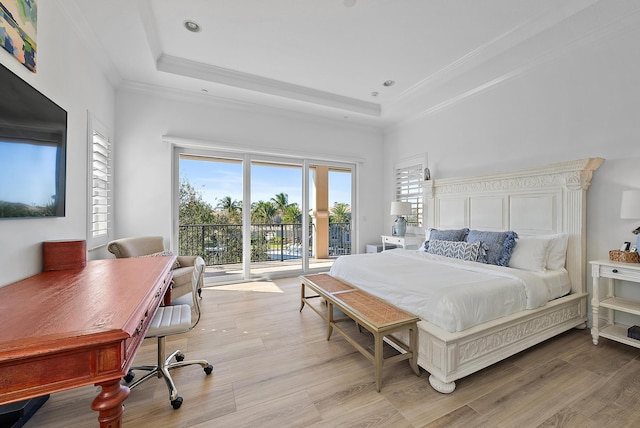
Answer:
[(129, 377), (180, 357), (208, 369), (176, 403)]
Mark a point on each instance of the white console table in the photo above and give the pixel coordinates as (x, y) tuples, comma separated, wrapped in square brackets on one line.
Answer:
[(611, 303)]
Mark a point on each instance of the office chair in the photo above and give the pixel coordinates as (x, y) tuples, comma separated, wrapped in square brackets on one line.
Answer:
[(167, 321), (142, 246)]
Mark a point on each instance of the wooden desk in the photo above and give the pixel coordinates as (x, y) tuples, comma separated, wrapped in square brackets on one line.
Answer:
[(69, 328)]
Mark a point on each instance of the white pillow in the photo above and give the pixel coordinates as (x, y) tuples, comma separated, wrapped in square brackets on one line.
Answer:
[(530, 253), (557, 253)]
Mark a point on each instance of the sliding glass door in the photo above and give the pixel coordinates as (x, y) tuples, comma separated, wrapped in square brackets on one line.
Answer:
[(210, 213), (255, 216), (276, 217)]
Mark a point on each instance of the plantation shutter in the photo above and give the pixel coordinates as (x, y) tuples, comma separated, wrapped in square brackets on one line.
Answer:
[(100, 184), (409, 189)]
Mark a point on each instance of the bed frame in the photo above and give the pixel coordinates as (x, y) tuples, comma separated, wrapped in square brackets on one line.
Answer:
[(535, 201)]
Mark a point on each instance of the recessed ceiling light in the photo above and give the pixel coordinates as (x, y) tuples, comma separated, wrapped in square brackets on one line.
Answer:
[(192, 26), (389, 83), (205, 91), (374, 94)]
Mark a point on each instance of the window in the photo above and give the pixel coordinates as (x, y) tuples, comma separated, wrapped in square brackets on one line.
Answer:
[(409, 188), (99, 222)]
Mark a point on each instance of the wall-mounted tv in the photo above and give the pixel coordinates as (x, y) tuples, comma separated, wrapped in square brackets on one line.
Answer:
[(33, 143)]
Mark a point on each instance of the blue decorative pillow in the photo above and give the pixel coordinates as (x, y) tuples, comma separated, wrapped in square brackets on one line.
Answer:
[(455, 249), (498, 245), (446, 235)]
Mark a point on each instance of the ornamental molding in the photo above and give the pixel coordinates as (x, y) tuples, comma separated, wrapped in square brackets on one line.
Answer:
[(573, 176), (488, 343)]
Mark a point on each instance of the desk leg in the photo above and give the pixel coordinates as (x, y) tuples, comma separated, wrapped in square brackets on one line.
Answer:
[(110, 403), (301, 297)]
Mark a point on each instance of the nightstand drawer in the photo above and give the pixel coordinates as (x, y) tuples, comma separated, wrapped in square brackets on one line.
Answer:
[(393, 240), (620, 272)]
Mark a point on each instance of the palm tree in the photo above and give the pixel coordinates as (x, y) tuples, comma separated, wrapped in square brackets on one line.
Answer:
[(232, 208), (263, 212), (292, 214), (340, 213), (281, 202), (229, 205)]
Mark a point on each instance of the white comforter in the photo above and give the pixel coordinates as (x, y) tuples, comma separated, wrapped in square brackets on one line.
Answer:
[(450, 293)]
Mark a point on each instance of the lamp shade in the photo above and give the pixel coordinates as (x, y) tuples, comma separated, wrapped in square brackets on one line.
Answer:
[(400, 208), (630, 206)]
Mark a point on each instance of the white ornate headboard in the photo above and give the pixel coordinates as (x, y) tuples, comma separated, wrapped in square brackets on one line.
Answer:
[(533, 201)]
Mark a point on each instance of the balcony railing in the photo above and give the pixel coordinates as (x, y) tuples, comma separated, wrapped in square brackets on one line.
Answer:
[(221, 244)]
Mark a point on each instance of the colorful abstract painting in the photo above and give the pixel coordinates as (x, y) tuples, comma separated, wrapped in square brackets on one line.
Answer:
[(18, 30)]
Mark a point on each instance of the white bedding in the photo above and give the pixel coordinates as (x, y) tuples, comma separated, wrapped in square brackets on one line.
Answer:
[(450, 293)]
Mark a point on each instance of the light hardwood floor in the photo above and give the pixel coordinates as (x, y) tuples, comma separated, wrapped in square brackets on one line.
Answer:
[(273, 367)]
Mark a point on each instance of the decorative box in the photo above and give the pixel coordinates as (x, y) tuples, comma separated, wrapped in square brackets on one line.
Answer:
[(624, 256), (63, 255), (634, 332)]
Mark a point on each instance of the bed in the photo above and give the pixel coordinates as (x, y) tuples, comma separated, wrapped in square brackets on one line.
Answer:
[(539, 204)]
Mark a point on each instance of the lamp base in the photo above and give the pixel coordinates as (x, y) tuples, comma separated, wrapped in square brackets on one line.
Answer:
[(400, 226)]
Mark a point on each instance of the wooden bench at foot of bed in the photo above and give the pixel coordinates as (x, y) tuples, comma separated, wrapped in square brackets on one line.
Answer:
[(377, 316)]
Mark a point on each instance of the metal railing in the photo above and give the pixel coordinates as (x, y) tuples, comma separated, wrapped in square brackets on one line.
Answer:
[(220, 244)]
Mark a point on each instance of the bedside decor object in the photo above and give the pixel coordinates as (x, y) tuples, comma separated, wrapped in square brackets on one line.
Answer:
[(634, 332), (630, 209), (427, 174), (624, 256), (399, 209)]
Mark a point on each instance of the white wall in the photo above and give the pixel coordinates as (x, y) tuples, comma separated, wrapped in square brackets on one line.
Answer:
[(143, 160), (585, 103), (66, 74)]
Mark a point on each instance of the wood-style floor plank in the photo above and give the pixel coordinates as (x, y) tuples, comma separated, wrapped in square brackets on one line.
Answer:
[(273, 367)]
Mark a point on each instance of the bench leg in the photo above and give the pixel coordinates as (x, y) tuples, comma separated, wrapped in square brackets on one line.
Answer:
[(301, 297), (377, 359), (330, 324), (413, 345)]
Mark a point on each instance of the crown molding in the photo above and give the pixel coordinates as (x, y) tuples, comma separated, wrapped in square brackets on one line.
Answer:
[(225, 76), (234, 103)]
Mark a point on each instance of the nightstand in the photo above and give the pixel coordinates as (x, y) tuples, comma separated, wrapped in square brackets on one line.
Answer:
[(612, 304), (406, 241)]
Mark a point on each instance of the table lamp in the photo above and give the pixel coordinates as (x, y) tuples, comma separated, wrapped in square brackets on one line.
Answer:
[(399, 209), (630, 209)]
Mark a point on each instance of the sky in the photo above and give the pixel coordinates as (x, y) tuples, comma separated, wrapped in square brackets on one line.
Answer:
[(215, 180), (27, 173)]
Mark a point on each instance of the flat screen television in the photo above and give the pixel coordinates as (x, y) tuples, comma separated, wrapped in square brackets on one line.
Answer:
[(33, 144)]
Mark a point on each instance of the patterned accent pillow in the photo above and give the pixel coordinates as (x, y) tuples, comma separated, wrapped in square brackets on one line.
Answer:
[(455, 249), (176, 265), (498, 245), (446, 235)]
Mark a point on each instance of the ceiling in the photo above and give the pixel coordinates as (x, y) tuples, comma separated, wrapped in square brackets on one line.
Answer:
[(329, 57)]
